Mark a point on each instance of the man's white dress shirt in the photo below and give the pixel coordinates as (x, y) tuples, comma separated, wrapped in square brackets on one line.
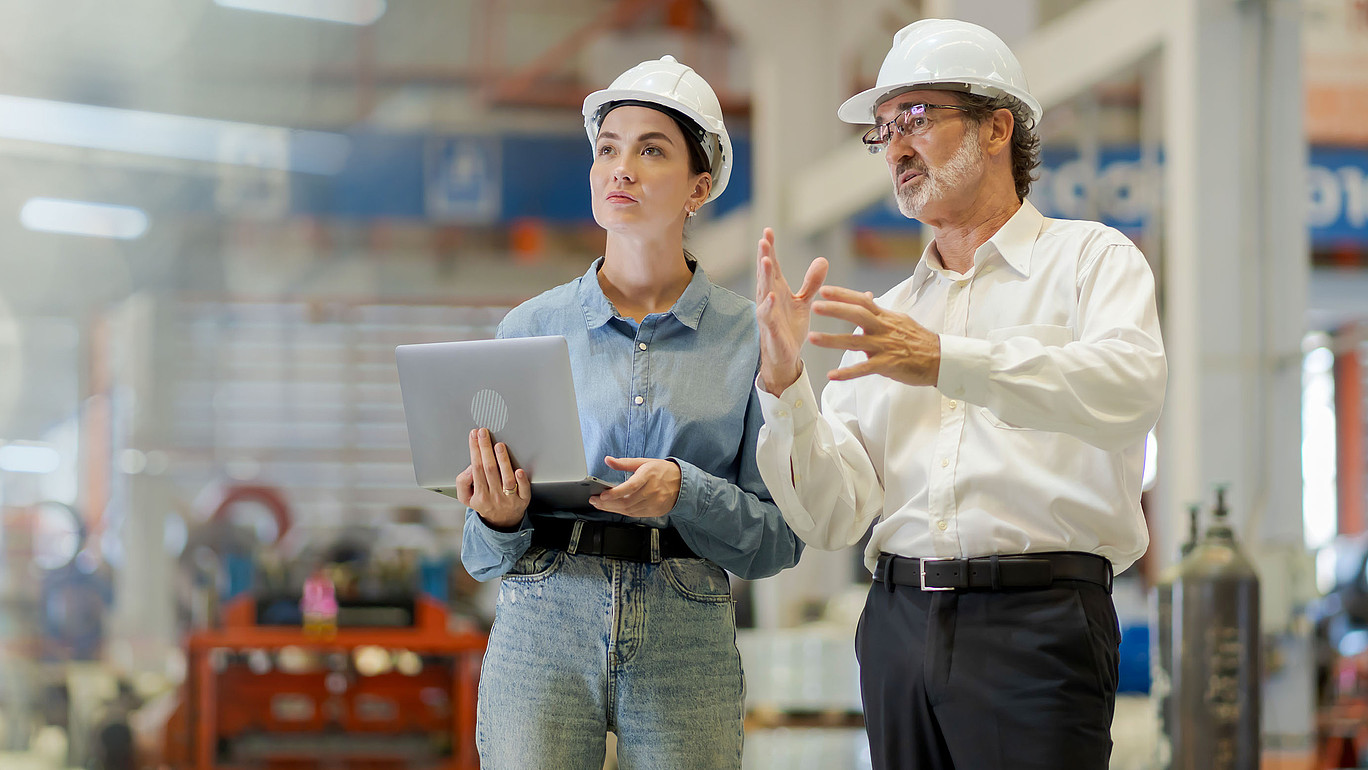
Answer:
[(1052, 373)]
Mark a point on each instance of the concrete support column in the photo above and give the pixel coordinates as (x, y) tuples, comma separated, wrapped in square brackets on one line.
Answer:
[(143, 631), (798, 78), (1235, 274)]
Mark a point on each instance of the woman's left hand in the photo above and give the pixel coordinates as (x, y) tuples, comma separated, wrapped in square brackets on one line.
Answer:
[(650, 491)]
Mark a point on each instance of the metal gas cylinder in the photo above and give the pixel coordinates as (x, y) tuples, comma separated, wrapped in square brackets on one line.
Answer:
[(1215, 697), (1162, 647)]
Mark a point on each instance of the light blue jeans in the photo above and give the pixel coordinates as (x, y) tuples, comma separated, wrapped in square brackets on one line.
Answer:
[(582, 645)]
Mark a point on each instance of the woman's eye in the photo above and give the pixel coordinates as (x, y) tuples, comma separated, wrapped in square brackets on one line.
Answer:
[(651, 151), (605, 149)]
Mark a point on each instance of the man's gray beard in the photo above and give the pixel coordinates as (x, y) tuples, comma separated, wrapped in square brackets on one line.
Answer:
[(963, 165)]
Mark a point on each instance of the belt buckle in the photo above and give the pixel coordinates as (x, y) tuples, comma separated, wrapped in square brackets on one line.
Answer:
[(921, 570)]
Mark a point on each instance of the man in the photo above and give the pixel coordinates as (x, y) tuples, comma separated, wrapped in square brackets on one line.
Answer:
[(989, 419)]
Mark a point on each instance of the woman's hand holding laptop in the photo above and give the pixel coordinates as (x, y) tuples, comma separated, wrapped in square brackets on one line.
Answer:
[(492, 487), (651, 490)]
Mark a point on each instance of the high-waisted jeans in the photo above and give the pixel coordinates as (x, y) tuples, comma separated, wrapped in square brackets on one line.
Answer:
[(582, 645)]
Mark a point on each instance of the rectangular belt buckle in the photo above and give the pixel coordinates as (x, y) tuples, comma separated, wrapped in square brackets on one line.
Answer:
[(921, 569)]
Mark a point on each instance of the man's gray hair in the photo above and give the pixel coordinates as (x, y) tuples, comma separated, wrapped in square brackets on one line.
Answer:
[(1025, 140)]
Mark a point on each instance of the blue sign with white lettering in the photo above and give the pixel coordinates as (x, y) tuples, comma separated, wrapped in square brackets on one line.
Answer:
[(462, 178)]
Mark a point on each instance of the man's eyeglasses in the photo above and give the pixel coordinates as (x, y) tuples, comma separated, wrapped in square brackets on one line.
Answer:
[(912, 121)]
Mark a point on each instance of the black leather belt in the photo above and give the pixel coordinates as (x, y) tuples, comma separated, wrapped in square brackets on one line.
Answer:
[(992, 573), (614, 541)]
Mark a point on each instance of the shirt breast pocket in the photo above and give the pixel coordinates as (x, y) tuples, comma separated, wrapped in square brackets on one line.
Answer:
[(1049, 335)]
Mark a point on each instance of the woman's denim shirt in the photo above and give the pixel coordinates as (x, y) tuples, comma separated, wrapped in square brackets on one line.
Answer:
[(693, 369)]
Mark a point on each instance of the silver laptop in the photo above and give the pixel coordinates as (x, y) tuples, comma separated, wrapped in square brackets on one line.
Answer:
[(521, 389)]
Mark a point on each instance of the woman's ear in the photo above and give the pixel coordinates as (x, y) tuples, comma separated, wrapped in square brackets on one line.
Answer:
[(700, 192)]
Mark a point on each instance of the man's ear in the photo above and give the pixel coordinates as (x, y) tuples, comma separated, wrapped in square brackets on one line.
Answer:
[(1000, 126)]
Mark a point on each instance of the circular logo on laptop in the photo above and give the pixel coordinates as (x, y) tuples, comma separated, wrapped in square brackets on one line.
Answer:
[(489, 410)]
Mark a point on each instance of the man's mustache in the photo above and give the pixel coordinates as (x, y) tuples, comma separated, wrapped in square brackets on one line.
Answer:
[(909, 163)]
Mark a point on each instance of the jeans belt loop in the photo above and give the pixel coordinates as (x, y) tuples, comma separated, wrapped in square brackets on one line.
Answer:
[(655, 545), (573, 548), (995, 570)]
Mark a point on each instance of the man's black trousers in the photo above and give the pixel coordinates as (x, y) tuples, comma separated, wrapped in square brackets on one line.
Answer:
[(980, 680)]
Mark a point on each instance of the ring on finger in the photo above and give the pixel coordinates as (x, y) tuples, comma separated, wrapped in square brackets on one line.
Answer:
[(512, 491)]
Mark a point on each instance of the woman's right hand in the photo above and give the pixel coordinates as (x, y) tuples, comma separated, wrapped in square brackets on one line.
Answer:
[(490, 484)]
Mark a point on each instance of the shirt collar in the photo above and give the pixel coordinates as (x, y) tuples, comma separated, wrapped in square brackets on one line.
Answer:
[(1015, 241), (688, 309)]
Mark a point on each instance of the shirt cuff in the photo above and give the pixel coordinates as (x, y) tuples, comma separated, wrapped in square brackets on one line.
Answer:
[(964, 368), (692, 498), (796, 407), (505, 541)]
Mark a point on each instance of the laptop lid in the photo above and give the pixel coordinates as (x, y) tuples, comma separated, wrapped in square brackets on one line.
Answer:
[(521, 389)]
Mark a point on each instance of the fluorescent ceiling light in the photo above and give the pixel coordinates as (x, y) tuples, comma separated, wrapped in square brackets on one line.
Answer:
[(29, 458), (102, 220), (358, 12), (172, 136)]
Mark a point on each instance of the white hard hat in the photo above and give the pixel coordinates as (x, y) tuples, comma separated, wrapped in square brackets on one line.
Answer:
[(670, 84), (943, 53)]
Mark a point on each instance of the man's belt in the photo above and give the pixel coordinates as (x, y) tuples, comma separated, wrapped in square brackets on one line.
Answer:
[(993, 573), (630, 542)]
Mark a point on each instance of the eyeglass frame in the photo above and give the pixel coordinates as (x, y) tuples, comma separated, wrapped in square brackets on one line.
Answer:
[(875, 144)]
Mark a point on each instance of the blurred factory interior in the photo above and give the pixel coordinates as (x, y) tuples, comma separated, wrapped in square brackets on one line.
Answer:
[(220, 217)]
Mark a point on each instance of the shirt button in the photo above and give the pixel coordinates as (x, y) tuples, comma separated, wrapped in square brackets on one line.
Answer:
[(781, 413), (798, 403), (945, 462), (639, 400), (641, 345), (953, 403), (941, 526)]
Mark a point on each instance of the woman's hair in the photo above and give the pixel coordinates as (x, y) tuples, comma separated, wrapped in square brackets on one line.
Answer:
[(1025, 140)]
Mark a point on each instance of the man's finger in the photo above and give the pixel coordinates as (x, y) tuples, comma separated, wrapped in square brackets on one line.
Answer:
[(861, 342), (862, 369), (856, 314), (842, 294), (816, 273)]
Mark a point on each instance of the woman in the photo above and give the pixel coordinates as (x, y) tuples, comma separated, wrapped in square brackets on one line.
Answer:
[(619, 617)]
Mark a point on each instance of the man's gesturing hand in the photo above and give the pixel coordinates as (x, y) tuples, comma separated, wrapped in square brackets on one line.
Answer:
[(782, 316), (894, 345)]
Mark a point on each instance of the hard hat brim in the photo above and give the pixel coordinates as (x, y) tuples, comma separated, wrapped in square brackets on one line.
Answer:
[(859, 109)]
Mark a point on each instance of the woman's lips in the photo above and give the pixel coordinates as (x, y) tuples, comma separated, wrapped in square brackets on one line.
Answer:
[(620, 197)]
